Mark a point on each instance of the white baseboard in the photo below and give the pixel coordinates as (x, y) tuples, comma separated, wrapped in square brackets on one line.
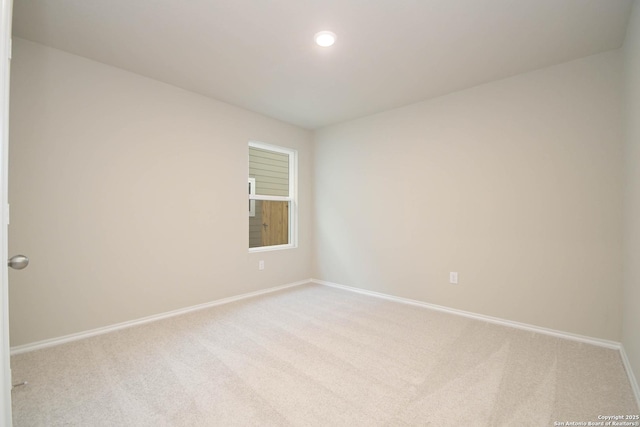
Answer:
[(106, 329), (532, 328), (630, 374)]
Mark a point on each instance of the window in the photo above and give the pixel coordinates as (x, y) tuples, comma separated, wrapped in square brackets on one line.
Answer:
[(272, 197)]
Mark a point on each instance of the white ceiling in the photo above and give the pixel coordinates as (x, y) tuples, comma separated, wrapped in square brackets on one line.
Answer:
[(260, 55)]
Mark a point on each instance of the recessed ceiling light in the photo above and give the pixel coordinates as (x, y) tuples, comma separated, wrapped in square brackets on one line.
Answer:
[(325, 38)]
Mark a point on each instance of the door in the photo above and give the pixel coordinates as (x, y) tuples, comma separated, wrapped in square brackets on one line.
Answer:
[(275, 223), (5, 368)]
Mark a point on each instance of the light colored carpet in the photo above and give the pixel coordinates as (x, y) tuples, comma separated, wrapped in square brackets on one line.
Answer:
[(319, 356)]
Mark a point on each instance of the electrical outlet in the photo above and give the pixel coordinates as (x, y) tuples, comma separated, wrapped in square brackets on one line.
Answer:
[(260, 265), (453, 277)]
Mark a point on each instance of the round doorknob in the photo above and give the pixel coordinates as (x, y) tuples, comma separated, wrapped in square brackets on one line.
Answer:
[(18, 262)]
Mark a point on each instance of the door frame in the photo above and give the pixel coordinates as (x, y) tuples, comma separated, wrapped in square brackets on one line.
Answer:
[(6, 8)]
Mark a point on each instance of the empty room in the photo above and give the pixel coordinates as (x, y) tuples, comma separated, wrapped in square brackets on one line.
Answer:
[(320, 213)]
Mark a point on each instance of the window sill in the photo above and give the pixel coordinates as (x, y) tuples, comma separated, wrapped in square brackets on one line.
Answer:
[(272, 248)]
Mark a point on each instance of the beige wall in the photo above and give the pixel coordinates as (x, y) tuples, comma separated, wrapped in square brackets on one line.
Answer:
[(516, 185), (631, 304), (130, 196)]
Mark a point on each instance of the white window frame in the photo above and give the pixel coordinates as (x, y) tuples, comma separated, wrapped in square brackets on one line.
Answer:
[(252, 192), (292, 198)]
